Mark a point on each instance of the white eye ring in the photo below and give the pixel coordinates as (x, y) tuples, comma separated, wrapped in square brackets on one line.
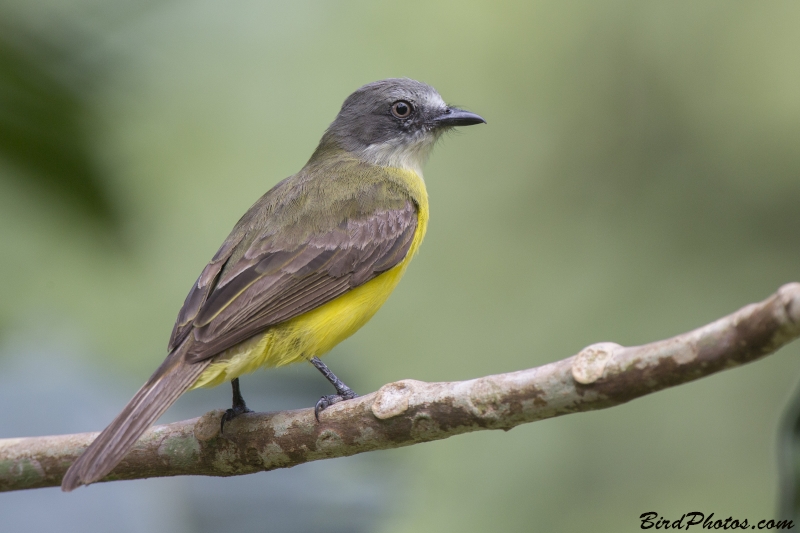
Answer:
[(402, 109)]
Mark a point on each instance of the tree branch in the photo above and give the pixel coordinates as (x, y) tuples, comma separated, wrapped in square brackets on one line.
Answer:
[(407, 412)]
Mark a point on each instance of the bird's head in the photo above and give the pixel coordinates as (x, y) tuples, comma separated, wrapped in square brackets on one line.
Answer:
[(394, 123)]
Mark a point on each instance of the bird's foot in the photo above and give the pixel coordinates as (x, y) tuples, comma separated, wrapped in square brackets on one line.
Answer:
[(343, 392), (232, 413), (238, 408), (326, 401)]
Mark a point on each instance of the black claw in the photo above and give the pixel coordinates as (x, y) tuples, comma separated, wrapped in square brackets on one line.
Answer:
[(239, 407), (232, 413), (322, 404), (343, 392), (326, 401)]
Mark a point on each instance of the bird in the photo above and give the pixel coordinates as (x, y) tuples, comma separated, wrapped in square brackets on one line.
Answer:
[(305, 267)]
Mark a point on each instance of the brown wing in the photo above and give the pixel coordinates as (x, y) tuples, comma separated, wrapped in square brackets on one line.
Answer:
[(200, 290), (272, 282)]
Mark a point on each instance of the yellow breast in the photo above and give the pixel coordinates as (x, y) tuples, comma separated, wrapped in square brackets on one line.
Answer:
[(316, 332)]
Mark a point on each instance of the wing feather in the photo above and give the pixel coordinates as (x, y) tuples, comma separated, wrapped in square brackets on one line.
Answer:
[(274, 279), (200, 290)]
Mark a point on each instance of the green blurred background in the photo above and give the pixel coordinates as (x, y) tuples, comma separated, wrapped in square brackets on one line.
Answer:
[(639, 176)]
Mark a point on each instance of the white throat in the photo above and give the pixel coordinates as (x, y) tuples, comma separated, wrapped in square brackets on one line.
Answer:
[(401, 153)]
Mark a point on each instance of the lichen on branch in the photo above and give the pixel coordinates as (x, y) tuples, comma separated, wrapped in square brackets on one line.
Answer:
[(409, 411)]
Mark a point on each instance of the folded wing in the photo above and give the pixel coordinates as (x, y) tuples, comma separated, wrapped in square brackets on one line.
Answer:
[(277, 279)]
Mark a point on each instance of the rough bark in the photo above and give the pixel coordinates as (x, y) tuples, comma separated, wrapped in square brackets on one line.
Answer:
[(409, 411)]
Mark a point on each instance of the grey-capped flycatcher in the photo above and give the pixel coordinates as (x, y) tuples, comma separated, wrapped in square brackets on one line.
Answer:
[(306, 266)]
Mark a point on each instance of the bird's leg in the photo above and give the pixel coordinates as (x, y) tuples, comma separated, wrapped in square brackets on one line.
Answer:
[(343, 392), (238, 408)]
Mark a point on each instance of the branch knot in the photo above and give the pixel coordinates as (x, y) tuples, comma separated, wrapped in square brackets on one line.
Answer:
[(589, 365)]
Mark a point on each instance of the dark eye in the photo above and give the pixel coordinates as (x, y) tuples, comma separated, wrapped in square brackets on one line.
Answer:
[(402, 109)]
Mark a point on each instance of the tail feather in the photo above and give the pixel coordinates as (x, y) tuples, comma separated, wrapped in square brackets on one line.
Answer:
[(171, 380)]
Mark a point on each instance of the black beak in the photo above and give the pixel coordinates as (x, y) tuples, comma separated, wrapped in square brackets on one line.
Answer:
[(453, 116)]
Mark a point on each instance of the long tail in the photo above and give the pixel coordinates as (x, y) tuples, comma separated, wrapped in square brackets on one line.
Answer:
[(171, 380)]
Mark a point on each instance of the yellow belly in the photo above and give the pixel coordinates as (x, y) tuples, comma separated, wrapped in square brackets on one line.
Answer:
[(311, 334), (316, 332)]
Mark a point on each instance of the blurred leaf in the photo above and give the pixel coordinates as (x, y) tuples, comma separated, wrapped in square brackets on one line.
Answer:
[(43, 122)]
